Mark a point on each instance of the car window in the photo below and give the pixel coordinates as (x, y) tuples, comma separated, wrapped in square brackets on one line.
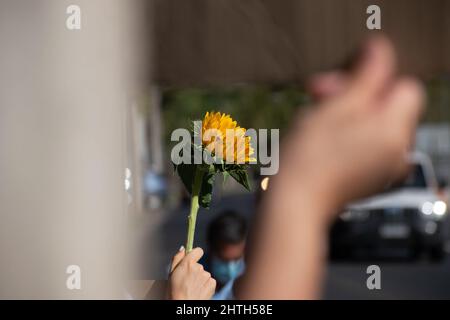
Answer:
[(415, 179)]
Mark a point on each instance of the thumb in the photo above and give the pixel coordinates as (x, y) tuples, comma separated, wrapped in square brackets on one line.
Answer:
[(405, 103), (177, 258), (375, 68)]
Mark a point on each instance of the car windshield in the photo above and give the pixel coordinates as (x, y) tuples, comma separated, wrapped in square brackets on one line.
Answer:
[(415, 179)]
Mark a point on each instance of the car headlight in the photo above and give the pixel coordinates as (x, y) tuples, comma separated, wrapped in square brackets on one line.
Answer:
[(437, 208), (440, 208)]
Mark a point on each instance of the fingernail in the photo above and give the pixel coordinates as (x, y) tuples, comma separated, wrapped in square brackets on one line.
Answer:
[(181, 249)]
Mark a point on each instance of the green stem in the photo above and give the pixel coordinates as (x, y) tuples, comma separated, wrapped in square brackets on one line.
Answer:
[(194, 209)]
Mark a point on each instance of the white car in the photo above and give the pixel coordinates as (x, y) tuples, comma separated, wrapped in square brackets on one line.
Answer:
[(408, 217)]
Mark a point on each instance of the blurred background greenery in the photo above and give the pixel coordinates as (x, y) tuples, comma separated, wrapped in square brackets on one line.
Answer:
[(251, 106), (438, 91), (269, 107)]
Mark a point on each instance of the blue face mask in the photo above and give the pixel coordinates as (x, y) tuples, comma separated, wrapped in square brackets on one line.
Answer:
[(224, 271)]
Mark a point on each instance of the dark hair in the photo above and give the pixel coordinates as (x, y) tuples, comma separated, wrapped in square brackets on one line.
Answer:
[(227, 228)]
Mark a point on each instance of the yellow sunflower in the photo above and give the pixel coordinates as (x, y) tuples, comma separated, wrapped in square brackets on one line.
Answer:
[(225, 139)]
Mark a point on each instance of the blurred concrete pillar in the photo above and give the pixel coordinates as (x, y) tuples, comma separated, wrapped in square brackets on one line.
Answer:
[(155, 125), (63, 95), (137, 155)]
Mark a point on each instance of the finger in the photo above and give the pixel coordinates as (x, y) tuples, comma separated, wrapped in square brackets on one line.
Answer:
[(209, 289), (194, 255), (326, 85), (404, 106), (374, 70), (177, 258), (405, 103), (204, 277)]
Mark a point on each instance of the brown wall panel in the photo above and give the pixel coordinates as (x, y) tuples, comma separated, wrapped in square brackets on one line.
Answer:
[(201, 42)]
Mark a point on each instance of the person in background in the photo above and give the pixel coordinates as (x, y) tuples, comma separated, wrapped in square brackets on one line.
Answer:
[(226, 236)]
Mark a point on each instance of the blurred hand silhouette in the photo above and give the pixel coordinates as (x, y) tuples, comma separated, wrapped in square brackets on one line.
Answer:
[(357, 138), (351, 144)]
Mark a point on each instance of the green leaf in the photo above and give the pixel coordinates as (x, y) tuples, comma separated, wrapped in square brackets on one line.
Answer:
[(240, 175), (225, 176), (187, 172), (207, 188), (219, 165)]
